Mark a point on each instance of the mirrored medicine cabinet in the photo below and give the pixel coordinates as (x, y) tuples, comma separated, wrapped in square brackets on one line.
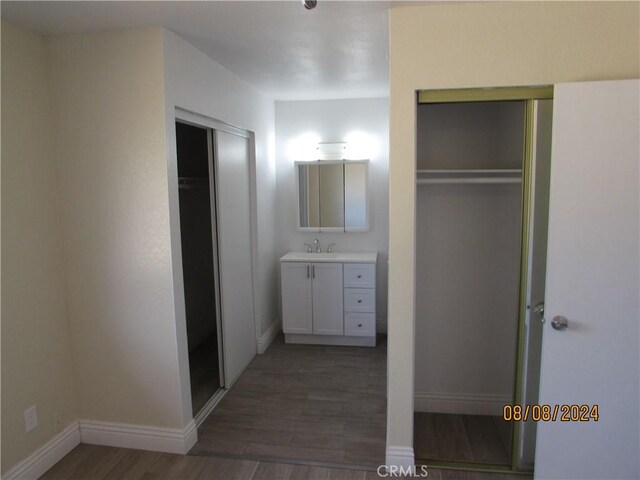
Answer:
[(332, 195)]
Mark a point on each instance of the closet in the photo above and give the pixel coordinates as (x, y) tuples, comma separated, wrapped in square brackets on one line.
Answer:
[(477, 155), (199, 261), (218, 244)]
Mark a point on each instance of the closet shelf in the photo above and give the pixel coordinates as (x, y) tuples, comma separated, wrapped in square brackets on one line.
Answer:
[(479, 176)]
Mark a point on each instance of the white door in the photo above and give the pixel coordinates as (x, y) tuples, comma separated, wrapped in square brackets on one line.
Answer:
[(296, 297), (234, 243), (328, 312), (593, 280)]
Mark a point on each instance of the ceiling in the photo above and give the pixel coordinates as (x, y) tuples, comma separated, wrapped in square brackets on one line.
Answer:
[(337, 50)]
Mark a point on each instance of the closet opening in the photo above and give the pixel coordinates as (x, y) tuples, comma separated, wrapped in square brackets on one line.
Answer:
[(482, 166), (198, 233)]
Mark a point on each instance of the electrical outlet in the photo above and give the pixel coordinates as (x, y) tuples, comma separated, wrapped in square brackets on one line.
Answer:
[(57, 422), (30, 418)]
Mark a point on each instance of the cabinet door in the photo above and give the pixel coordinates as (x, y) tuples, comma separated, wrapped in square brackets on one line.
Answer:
[(328, 315), (296, 298)]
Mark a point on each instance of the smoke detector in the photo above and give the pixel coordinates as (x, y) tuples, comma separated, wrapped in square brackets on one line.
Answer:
[(309, 4)]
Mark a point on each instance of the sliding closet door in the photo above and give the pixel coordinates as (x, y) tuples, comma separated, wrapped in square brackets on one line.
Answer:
[(234, 240), (537, 266)]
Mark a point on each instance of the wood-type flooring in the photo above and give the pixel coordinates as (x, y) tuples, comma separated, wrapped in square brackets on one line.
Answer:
[(315, 403), (92, 462), (462, 438)]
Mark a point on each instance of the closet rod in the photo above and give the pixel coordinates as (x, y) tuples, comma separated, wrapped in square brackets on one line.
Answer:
[(465, 171), (193, 182), (483, 180)]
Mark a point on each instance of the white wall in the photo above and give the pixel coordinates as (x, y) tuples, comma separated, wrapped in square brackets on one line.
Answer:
[(477, 45), (36, 353), (336, 121), (196, 83), (467, 276), (108, 123)]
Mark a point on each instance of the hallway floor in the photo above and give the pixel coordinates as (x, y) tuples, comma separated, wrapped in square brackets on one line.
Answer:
[(323, 405)]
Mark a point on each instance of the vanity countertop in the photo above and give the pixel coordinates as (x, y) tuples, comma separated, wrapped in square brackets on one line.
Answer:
[(337, 257)]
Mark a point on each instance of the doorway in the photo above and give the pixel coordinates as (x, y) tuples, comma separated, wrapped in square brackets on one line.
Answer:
[(482, 208), (198, 233)]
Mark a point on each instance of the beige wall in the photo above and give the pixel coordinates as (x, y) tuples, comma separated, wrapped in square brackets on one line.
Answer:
[(36, 354), (86, 113), (107, 96), (474, 45)]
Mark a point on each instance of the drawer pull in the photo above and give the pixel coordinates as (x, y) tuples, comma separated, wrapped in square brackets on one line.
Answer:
[(359, 325), (359, 276), (359, 301)]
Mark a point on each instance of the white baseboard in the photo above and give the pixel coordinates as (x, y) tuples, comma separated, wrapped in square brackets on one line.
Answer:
[(141, 437), (36, 464), (342, 340), (474, 404), (401, 457), (267, 337)]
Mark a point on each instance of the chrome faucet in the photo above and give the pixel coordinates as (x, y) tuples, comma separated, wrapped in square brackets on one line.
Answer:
[(330, 247), (316, 242), (309, 250)]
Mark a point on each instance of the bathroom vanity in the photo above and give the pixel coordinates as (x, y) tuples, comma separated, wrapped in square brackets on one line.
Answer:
[(329, 298)]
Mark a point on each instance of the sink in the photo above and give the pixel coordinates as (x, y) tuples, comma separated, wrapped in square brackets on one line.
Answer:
[(303, 256), (337, 257)]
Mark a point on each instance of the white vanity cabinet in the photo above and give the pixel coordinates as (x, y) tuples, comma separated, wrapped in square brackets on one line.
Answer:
[(329, 298), (312, 298), (360, 299), (297, 291)]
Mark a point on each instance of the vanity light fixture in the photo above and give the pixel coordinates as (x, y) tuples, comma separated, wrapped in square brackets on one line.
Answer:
[(303, 147), (331, 150), (361, 145)]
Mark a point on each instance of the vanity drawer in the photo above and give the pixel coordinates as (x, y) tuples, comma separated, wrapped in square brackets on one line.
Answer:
[(360, 275), (359, 300), (360, 324)]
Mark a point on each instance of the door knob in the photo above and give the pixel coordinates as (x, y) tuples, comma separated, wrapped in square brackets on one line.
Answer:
[(560, 323)]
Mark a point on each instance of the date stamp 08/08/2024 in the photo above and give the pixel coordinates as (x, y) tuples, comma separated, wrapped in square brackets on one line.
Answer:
[(550, 413)]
